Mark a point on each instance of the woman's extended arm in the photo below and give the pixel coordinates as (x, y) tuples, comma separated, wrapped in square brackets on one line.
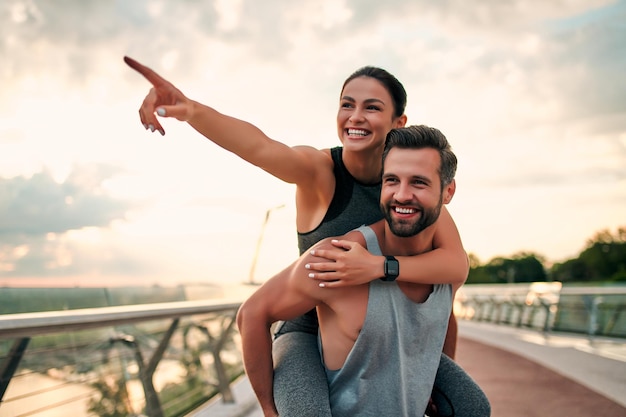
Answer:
[(295, 165), (447, 263)]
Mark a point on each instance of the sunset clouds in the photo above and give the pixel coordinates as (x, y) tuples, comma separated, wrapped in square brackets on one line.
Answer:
[(531, 95)]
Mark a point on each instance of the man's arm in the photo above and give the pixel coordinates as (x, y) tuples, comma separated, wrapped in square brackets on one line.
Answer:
[(287, 295)]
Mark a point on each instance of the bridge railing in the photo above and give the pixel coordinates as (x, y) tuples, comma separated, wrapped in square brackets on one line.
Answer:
[(590, 310), (165, 359), (152, 359)]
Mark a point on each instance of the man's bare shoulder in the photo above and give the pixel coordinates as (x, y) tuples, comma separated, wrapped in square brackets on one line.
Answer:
[(352, 236)]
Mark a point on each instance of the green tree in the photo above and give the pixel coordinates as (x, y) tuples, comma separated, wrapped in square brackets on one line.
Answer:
[(573, 270), (478, 273), (521, 267), (528, 267), (603, 259)]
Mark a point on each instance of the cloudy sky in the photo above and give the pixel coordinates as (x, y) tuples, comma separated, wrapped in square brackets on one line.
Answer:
[(531, 94)]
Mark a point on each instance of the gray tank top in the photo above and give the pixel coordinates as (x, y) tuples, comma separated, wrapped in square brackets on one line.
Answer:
[(391, 368)]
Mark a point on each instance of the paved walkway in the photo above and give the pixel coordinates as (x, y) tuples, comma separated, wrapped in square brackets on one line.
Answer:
[(528, 375), (523, 373)]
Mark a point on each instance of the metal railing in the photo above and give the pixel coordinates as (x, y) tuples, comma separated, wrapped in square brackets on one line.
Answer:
[(591, 310), (146, 332), (154, 359)]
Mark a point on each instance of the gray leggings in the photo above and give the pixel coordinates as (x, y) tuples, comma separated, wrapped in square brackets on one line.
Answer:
[(301, 389)]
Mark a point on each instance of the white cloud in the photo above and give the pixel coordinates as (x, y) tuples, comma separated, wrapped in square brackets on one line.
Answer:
[(529, 93)]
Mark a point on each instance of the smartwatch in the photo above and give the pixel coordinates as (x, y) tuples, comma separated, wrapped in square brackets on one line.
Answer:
[(392, 269)]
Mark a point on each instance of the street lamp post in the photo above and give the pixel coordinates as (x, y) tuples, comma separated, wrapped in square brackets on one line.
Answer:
[(258, 244)]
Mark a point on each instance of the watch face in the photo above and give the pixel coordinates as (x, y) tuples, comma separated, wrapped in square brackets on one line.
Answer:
[(392, 269)]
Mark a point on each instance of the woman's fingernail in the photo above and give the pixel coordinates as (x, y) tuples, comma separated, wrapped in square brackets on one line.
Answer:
[(307, 266), (322, 284), (311, 275), (145, 126), (151, 127), (161, 111), (162, 132), (334, 240), (313, 252)]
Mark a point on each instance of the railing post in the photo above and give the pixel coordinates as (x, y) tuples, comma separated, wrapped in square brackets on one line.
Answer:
[(518, 305), (216, 345), (614, 319), (146, 370), (153, 404), (548, 306), (19, 328), (593, 314), (9, 366)]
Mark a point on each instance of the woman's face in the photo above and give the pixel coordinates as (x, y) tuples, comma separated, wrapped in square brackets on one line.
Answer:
[(366, 114)]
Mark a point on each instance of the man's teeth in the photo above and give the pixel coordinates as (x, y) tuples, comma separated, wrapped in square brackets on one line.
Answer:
[(357, 132), (403, 210)]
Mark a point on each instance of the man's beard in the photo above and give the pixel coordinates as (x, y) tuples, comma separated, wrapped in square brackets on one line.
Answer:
[(408, 228)]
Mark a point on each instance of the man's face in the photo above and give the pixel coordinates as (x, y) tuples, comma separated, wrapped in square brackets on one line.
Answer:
[(411, 196)]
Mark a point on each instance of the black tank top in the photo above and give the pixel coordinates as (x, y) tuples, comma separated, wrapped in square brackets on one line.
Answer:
[(354, 204)]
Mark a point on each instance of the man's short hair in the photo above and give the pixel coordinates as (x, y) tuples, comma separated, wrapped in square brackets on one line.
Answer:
[(420, 137)]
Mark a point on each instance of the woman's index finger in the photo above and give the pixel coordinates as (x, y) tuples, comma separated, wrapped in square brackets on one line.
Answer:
[(154, 78)]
